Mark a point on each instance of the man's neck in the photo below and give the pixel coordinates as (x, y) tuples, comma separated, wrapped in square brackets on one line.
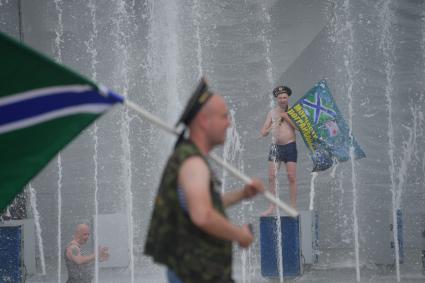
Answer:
[(280, 109), (201, 143)]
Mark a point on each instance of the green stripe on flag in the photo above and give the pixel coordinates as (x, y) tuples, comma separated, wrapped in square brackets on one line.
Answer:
[(26, 151), (25, 69)]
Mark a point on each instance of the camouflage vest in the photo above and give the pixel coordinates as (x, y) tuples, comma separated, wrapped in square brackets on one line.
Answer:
[(173, 240)]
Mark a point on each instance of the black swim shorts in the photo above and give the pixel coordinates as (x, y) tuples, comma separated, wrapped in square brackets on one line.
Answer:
[(285, 153)]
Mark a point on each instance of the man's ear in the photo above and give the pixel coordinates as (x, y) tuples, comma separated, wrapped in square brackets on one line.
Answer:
[(203, 120)]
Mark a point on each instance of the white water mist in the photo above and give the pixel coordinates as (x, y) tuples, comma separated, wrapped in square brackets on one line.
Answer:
[(38, 230), (387, 47), (265, 33), (58, 57), (91, 50), (122, 32)]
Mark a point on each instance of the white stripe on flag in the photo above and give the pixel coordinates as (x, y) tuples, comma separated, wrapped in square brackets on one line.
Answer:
[(86, 108), (43, 92)]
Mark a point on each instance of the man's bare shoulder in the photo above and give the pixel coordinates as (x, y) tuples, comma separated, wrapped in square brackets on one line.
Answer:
[(271, 113), (72, 250), (194, 164), (275, 112), (195, 160), (193, 173), (72, 245)]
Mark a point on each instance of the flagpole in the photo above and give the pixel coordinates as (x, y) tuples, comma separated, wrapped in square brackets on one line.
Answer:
[(155, 120), (149, 116), (288, 209)]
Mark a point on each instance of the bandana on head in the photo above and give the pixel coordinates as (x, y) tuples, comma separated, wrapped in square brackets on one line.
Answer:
[(198, 99)]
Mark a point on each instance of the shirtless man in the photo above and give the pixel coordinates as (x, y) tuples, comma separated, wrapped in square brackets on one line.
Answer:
[(80, 269), (283, 147)]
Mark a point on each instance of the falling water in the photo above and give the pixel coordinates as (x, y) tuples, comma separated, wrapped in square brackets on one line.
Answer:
[(122, 33), (38, 230), (127, 180), (232, 154), (58, 57), (267, 41), (333, 171), (244, 263), (408, 148), (197, 23), (149, 67), (354, 184), (348, 64), (171, 58), (421, 114), (7, 213), (387, 47), (422, 43), (232, 148), (312, 183), (21, 29), (312, 190), (91, 49), (343, 37), (161, 74), (164, 72), (58, 32), (96, 202), (59, 243)]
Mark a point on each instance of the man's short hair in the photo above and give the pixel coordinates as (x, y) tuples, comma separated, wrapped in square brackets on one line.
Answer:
[(282, 89)]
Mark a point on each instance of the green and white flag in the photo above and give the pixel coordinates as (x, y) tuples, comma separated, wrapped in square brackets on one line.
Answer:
[(43, 106)]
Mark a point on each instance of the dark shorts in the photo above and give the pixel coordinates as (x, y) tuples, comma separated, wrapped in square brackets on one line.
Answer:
[(285, 153)]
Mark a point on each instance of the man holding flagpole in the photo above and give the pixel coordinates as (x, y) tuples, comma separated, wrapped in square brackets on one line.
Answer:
[(283, 147), (189, 232)]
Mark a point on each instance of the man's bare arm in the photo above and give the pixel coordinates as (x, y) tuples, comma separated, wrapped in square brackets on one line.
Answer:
[(194, 178), (74, 254), (248, 191), (265, 130)]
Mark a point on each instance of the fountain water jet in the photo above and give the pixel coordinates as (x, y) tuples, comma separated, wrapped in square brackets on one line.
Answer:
[(38, 229), (58, 57), (387, 47), (91, 49)]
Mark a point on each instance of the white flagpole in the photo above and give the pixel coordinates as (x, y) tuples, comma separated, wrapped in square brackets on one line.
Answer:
[(155, 120)]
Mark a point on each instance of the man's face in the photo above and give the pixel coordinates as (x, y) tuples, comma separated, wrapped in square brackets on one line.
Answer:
[(83, 235), (218, 121), (282, 100)]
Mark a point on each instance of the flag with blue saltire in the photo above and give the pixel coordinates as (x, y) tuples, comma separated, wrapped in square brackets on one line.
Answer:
[(43, 106), (323, 128)]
